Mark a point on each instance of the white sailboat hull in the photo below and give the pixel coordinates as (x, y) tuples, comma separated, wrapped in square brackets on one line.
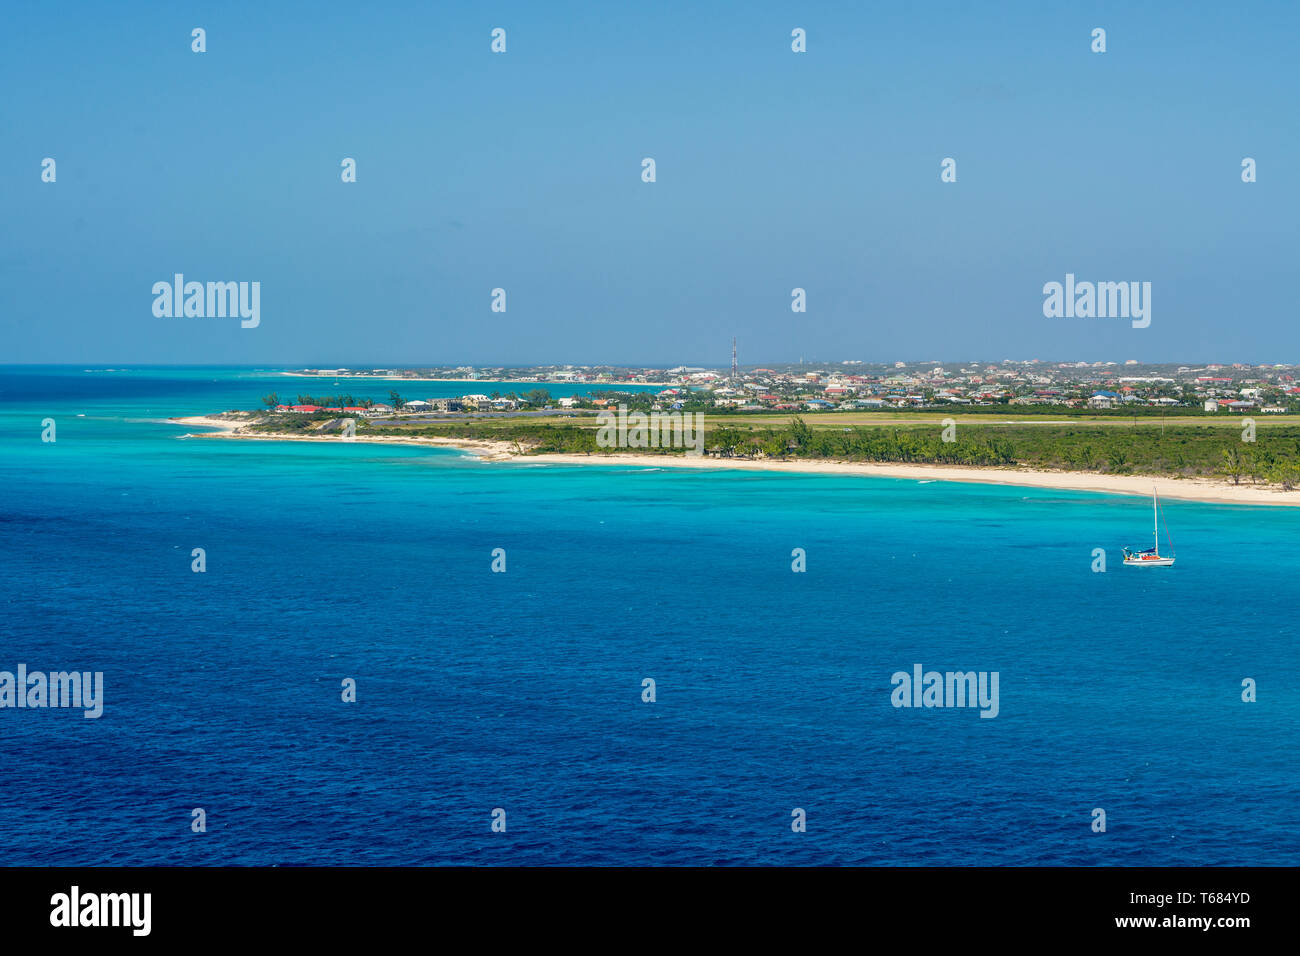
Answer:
[(1150, 557)]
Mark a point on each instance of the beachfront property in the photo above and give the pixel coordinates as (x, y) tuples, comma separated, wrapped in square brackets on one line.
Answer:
[(857, 386)]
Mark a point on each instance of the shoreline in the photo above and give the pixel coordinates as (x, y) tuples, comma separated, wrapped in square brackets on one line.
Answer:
[(484, 450), (610, 386), (1187, 489)]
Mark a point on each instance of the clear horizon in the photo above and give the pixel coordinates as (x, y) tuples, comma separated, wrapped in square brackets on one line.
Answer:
[(522, 170), (406, 366)]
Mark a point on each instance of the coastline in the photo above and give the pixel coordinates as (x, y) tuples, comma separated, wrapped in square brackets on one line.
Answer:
[(1186, 489), (477, 381), (485, 450)]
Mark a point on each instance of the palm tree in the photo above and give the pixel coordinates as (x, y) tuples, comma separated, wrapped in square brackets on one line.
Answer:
[(1232, 464)]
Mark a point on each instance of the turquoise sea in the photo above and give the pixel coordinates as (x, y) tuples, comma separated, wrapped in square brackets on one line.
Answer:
[(523, 690)]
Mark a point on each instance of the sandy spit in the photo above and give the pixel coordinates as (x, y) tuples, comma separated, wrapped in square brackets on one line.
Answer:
[(1189, 489)]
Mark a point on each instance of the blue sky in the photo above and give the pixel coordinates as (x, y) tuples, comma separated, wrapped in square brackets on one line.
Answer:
[(775, 170)]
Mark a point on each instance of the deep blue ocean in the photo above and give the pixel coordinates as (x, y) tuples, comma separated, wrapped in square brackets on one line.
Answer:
[(522, 690)]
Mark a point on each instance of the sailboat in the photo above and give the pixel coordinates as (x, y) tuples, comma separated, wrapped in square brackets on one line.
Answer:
[(1151, 557)]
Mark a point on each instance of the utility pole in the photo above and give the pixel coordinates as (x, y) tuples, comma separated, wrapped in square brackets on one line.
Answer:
[(735, 370)]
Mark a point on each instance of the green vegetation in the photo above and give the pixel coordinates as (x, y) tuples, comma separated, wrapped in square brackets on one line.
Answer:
[(325, 401), (1151, 448)]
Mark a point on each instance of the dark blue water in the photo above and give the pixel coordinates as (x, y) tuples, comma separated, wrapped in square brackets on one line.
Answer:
[(522, 691)]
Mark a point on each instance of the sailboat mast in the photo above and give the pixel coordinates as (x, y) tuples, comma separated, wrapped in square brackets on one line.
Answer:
[(1155, 517)]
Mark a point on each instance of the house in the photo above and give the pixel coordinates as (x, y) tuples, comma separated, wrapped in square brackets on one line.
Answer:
[(1211, 405)]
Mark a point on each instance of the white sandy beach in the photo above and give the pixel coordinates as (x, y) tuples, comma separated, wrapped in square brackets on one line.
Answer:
[(220, 423), (1190, 489), (486, 450)]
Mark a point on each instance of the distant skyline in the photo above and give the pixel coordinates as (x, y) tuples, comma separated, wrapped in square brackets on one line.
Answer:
[(522, 170), (744, 366)]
